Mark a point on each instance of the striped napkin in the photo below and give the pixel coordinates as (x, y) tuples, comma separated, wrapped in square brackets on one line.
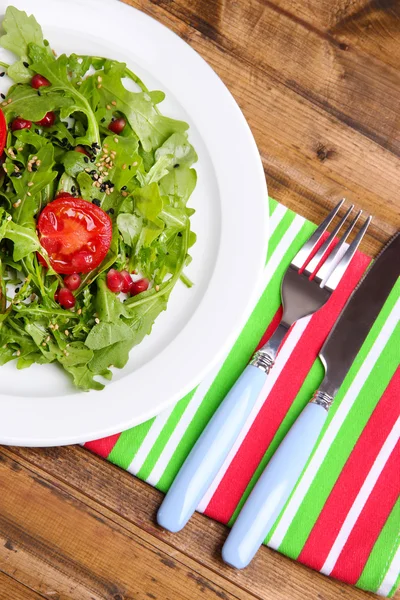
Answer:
[(343, 518)]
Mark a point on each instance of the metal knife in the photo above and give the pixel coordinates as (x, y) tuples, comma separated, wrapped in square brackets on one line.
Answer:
[(276, 483)]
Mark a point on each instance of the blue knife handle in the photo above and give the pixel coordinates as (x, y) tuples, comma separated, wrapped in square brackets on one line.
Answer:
[(274, 487), (210, 451)]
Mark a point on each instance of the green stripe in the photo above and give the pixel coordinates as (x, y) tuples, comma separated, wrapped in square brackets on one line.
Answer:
[(238, 357), (128, 444), (380, 558), (349, 432), (394, 588), (272, 204), (164, 436), (310, 384)]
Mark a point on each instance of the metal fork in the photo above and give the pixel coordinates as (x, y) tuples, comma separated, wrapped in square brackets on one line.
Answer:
[(306, 287)]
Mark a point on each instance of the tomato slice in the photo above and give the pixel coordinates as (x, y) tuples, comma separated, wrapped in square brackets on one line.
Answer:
[(76, 234), (3, 132)]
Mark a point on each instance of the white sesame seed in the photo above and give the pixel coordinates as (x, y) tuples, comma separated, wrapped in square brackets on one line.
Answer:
[(30, 183), (157, 288), (97, 320), (66, 332), (29, 194), (17, 203), (79, 311), (124, 167), (114, 103), (135, 164), (99, 78), (18, 352), (108, 107), (116, 140)]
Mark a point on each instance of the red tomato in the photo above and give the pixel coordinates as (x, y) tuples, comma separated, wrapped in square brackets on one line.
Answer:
[(75, 233), (3, 132), (48, 120)]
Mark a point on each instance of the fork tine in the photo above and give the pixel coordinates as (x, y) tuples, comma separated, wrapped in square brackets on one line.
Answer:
[(340, 269), (314, 262), (304, 252), (337, 253)]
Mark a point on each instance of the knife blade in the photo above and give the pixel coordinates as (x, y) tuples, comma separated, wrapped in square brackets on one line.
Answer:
[(358, 315), (273, 489)]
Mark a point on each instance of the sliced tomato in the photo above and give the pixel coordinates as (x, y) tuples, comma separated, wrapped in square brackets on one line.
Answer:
[(3, 132), (76, 234)]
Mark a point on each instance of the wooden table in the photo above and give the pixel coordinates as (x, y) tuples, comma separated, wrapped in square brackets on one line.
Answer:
[(319, 83)]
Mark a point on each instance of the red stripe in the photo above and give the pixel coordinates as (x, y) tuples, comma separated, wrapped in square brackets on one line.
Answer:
[(378, 507), (104, 446), (352, 477), (263, 430), (271, 327)]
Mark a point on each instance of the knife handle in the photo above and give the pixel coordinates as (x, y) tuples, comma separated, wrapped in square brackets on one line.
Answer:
[(210, 451), (274, 487)]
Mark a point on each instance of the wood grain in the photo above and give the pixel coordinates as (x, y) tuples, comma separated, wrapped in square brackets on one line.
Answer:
[(319, 83)]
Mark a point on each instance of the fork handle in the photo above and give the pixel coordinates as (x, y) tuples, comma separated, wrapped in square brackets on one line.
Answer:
[(211, 450), (274, 487)]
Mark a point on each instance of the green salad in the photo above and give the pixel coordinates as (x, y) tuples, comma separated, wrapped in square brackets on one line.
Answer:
[(94, 224)]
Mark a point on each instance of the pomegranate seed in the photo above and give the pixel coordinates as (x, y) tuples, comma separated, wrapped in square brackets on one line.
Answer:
[(117, 126), (73, 281), (66, 298), (82, 150), (48, 119), (114, 281), (20, 123), (126, 282), (39, 81), (137, 287), (64, 195), (57, 294)]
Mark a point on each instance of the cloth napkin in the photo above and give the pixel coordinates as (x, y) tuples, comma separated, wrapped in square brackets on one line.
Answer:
[(343, 518)]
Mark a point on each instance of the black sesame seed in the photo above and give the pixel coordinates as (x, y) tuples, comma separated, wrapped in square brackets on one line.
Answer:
[(39, 93), (130, 167), (96, 201), (93, 159), (34, 168), (37, 130), (102, 120), (92, 172), (110, 211), (17, 175), (16, 290), (26, 65), (73, 189), (176, 166), (2, 74), (85, 158), (124, 188), (179, 234), (102, 187), (3, 96)]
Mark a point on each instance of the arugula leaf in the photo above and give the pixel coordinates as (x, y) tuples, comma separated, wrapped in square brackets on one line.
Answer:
[(56, 71), (149, 125), (21, 30), (178, 185), (178, 148), (104, 335), (26, 103), (130, 227)]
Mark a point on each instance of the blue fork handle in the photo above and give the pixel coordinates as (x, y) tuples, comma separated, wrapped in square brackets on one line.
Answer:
[(274, 487), (210, 451)]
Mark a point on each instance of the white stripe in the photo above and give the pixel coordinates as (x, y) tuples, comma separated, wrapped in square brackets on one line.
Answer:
[(281, 361), (361, 498), (333, 428), (149, 441), (203, 388), (391, 575), (183, 424), (276, 218)]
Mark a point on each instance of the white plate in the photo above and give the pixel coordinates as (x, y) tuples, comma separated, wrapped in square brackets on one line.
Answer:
[(39, 406)]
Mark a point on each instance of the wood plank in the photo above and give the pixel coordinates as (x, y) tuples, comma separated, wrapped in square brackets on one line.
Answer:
[(10, 589), (60, 546), (352, 86), (310, 153), (133, 504), (369, 25)]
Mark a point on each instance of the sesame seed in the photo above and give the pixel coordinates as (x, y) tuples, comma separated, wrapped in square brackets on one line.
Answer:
[(34, 158), (3, 96), (108, 107), (20, 149), (124, 194), (43, 343), (157, 288), (108, 159), (18, 352), (30, 183), (51, 326), (48, 338), (17, 203), (79, 83), (135, 164), (4, 103), (116, 140), (54, 52), (114, 103), (56, 326), (97, 320), (66, 332), (66, 353), (99, 78), (5, 169), (29, 194), (9, 101), (79, 311), (99, 86), (124, 167)]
